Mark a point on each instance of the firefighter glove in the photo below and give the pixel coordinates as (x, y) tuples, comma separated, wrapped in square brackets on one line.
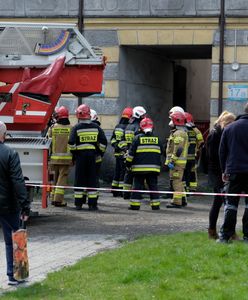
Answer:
[(171, 165)]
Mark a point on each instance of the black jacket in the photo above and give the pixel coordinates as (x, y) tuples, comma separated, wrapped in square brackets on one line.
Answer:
[(87, 136), (212, 147), (132, 129), (13, 193), (233, 149), (117, 140), (144, 155)]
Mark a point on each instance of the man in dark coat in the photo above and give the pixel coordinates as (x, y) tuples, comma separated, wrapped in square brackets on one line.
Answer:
[(234, 165), (14, 203)]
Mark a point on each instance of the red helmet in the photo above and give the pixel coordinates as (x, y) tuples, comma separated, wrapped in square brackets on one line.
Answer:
[(127, 113), (146, 125), (189, 117), (178, 118), (83, 112), (62, 112)]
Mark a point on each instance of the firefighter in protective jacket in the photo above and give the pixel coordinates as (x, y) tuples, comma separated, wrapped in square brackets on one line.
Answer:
[(176, 156), (195, 142), (99, 156), (132, 129), (86, 140), (144, 160), (61, 158), (119, 144)]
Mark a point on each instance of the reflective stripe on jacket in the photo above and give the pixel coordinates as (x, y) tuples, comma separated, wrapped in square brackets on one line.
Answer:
[(118, 140), (195, 140), (60, 153), (177, 147), (87, 135), (132, 129), (144, 154)]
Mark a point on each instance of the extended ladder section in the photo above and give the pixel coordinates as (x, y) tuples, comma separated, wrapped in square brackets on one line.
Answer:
[(37, 45), (38, 63)]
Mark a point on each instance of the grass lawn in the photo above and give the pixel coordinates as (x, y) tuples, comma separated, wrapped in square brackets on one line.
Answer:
[(178, 266)]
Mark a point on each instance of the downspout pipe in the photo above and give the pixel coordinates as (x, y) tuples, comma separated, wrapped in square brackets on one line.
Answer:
[(81, 16), (221, 57), (81, 29)]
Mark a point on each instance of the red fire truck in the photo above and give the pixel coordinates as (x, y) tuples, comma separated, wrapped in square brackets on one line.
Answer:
[(38, 63)]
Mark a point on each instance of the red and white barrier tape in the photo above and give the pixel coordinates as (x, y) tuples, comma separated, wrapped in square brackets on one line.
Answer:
[(136, 191)]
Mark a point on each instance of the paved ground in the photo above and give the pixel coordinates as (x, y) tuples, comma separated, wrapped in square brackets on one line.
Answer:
[(61, 236)]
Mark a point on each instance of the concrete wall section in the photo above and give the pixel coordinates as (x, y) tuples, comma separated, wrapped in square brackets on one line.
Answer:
[(101, 38), (232, 37), (103, 106), (236, 42), (147, 79), (198, 87), (110, 8), (236, 107), (229, 74)]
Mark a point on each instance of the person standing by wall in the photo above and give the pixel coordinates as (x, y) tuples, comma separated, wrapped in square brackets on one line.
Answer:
[(86, 140), (214, 169), (14, 203), (234, 166), (119, 144), (61, 158)]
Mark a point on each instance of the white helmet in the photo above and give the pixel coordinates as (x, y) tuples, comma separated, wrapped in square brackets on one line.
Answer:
[(93, 115), (176, 109), (138, 112)]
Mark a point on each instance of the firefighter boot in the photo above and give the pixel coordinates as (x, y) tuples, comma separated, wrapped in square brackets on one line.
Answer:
[(156, 207), (212, 234), (184, 201), (78, 203), (132, 207)]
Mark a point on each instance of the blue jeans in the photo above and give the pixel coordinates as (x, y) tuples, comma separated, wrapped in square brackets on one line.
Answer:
[(9, 223), (238, 183)]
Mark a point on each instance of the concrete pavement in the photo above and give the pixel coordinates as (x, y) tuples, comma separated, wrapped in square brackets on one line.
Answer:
[(48, 254)]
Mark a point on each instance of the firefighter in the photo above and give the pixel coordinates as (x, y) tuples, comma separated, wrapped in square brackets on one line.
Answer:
[(120, 146), (61, 158), (172, 110), (86, 140), (132, 129), (195, 142), (176, 156), (94, 119), (144, 160)]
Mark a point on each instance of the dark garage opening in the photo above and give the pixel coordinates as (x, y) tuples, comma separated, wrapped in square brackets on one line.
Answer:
[(159, 77)]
